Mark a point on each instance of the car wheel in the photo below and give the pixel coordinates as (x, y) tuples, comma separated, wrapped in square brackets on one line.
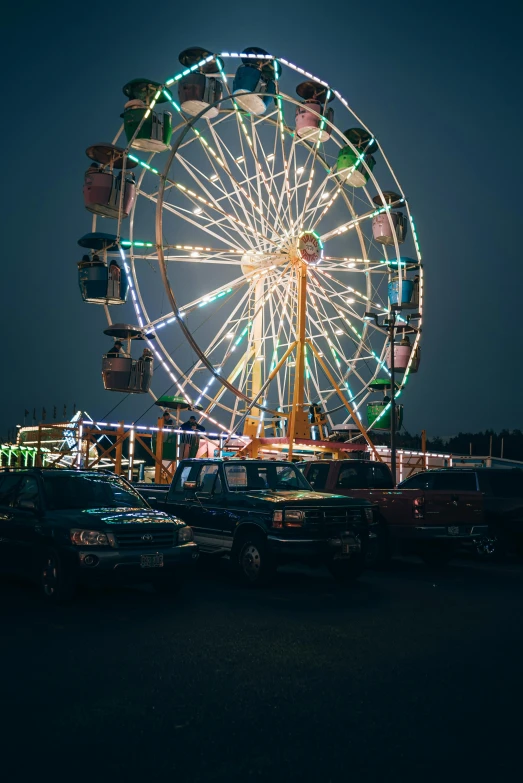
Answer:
[(347, 570), (252, 560), (57, 584)]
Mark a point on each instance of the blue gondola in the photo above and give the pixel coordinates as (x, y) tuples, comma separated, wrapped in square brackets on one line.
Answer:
[(102, 281), (254, 84)]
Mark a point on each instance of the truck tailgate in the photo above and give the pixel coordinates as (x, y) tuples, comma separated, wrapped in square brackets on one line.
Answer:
[(436, 507)]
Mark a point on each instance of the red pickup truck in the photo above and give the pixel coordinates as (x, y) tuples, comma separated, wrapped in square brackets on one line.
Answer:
[(431, 523)]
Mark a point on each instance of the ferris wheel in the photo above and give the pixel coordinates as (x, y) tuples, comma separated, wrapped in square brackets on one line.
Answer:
[(260, 242)]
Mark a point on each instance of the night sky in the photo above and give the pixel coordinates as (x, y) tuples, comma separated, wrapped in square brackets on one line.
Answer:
[(439, 85)]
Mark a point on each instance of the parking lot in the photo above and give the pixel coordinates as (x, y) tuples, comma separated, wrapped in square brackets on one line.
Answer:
[(409, 674)]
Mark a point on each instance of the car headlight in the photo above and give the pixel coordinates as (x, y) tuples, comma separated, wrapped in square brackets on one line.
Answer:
[(294, 518), (185, 534), (91, 538), (369, 514)]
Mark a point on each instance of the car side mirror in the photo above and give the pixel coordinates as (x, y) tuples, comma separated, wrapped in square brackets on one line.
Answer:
[(189, 486)]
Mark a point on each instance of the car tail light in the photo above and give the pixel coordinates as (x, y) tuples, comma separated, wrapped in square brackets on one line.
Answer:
[(418, 509)]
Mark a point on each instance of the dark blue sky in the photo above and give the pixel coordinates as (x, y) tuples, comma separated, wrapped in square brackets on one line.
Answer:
[(441, 87)]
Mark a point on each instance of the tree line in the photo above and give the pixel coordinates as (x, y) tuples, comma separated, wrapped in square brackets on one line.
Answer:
[(507, 442)]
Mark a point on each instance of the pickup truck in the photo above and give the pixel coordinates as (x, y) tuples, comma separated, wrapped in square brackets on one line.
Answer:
[(261, 513), (502, 492), (430, 517)]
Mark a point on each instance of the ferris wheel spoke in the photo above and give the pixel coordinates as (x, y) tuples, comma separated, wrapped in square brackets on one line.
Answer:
[(270, 205), (350, 296), (190, 218), (242, 163), (321, 200), (343, 227), (199, 178), (285, 189), (327, 297), (352, 264), (238, 188), (343, 378), (201, 204), (255, 278), (311, 165), (359, 345), (229, 331), (227, 223)]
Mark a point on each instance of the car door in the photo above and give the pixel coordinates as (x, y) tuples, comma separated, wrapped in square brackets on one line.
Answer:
[(180, 500), (317, 474), (453, 499), (22, 525), (9, 483), (196, 496), (209, 511)]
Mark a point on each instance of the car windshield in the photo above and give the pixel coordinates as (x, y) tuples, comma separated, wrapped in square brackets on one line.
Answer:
[(249, 476), (89, 490)]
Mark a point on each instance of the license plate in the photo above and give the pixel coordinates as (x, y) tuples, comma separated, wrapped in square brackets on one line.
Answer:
[(151, 561), (453, 530)]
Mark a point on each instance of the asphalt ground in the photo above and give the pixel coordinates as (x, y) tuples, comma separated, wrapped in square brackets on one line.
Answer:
[(410, 674)]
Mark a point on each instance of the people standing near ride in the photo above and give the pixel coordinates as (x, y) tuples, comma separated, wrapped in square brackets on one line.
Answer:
[(189, 439), (146, 359), (116, 350), (168, 420), (318, 419), (193, 425)]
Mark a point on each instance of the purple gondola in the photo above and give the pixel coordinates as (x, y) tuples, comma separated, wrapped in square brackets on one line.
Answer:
[(389, 225), (312, 115), (402, 352), (103, 186)]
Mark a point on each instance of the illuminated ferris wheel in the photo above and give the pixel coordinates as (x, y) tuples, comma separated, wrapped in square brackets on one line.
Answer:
[(265, 242)]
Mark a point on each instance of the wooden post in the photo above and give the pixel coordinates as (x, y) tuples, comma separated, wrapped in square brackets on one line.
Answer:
[(119, 445), (159, 452)]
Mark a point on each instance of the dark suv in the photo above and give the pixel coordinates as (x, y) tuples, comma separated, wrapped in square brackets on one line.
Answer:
[(67, 527), (263, 512)]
